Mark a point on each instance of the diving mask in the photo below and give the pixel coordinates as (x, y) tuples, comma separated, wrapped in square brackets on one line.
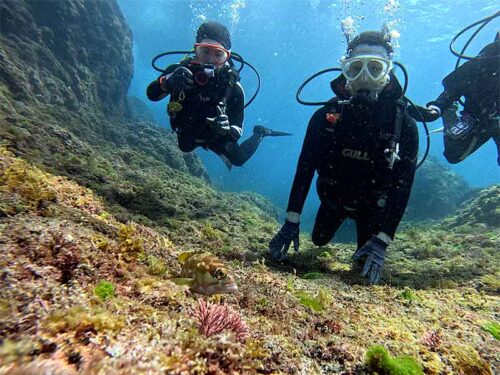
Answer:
[(376, 68), (211, 53)]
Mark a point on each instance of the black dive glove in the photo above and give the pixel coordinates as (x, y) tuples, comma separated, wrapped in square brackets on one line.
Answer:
[(180, 79), (280, 244), (373, 256)]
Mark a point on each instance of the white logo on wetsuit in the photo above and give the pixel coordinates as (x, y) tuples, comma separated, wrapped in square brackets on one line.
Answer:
[(355, 154), (203, 99)]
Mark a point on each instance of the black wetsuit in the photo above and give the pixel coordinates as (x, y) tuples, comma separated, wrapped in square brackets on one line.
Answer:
[(201, 103), (354, 179), (478, 81)]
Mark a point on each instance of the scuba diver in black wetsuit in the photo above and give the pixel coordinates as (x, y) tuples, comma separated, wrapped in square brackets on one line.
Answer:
[(478, 81), (364, 147), (206, 99)]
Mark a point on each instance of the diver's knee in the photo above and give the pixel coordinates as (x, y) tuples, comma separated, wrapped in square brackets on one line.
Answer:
[(319, 239), (234, 157), (237, 163), (452, 157), (186, 146)]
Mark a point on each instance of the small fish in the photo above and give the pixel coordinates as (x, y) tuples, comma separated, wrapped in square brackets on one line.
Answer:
[(204, 273)]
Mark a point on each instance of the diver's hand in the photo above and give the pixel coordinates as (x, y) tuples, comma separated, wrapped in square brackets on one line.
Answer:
[(220, 123), (428, 114), (280, 244), (372, 254), (433, 112), (180, 79)]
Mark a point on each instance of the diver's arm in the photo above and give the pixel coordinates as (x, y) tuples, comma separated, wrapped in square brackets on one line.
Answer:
[(455, 84), (403, 174), (235, 111), (306, 167), (444, 101), (155, 92), (420, 113)]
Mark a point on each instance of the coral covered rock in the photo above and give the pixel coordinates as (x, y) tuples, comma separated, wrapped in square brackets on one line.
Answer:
[(484, 208), (436, 192), (73, 54)]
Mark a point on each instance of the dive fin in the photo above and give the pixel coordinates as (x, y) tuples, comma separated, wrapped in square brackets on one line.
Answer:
[(266, 132), (276, 133)]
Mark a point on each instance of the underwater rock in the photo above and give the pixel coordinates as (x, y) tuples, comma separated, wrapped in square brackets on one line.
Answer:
[(436, 192), (137, 110), (74, 54), (63, 105), (484, 208)]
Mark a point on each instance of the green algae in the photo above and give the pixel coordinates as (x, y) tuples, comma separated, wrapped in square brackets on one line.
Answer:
[(156, 266), (378, 359), (467, 361), (80, 317), (13, 351), (104, 290), (408, 295), (313, 276), (309, 301), (493, 328)]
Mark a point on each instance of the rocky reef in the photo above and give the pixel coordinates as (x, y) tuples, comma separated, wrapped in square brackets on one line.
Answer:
[(483, 209), (96, 203), (436, 192), (64, 73), (75, 54), (82, 292)]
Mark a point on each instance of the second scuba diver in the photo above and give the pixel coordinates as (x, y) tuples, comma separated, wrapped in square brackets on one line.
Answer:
[(364, 147), (206, 99), (478, 82)]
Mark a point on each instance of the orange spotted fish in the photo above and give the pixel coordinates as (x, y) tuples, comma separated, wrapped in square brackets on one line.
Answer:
[(205, 274)]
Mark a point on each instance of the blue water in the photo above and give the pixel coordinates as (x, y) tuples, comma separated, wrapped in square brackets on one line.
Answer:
[(288, 40)]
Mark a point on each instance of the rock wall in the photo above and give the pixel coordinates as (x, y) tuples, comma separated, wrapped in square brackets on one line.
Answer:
[(71, 53), (65, 68), (436, 192), (484, 208)]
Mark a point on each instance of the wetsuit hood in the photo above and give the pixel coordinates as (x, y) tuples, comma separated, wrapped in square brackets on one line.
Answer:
[(216, 31), (391, 92)]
